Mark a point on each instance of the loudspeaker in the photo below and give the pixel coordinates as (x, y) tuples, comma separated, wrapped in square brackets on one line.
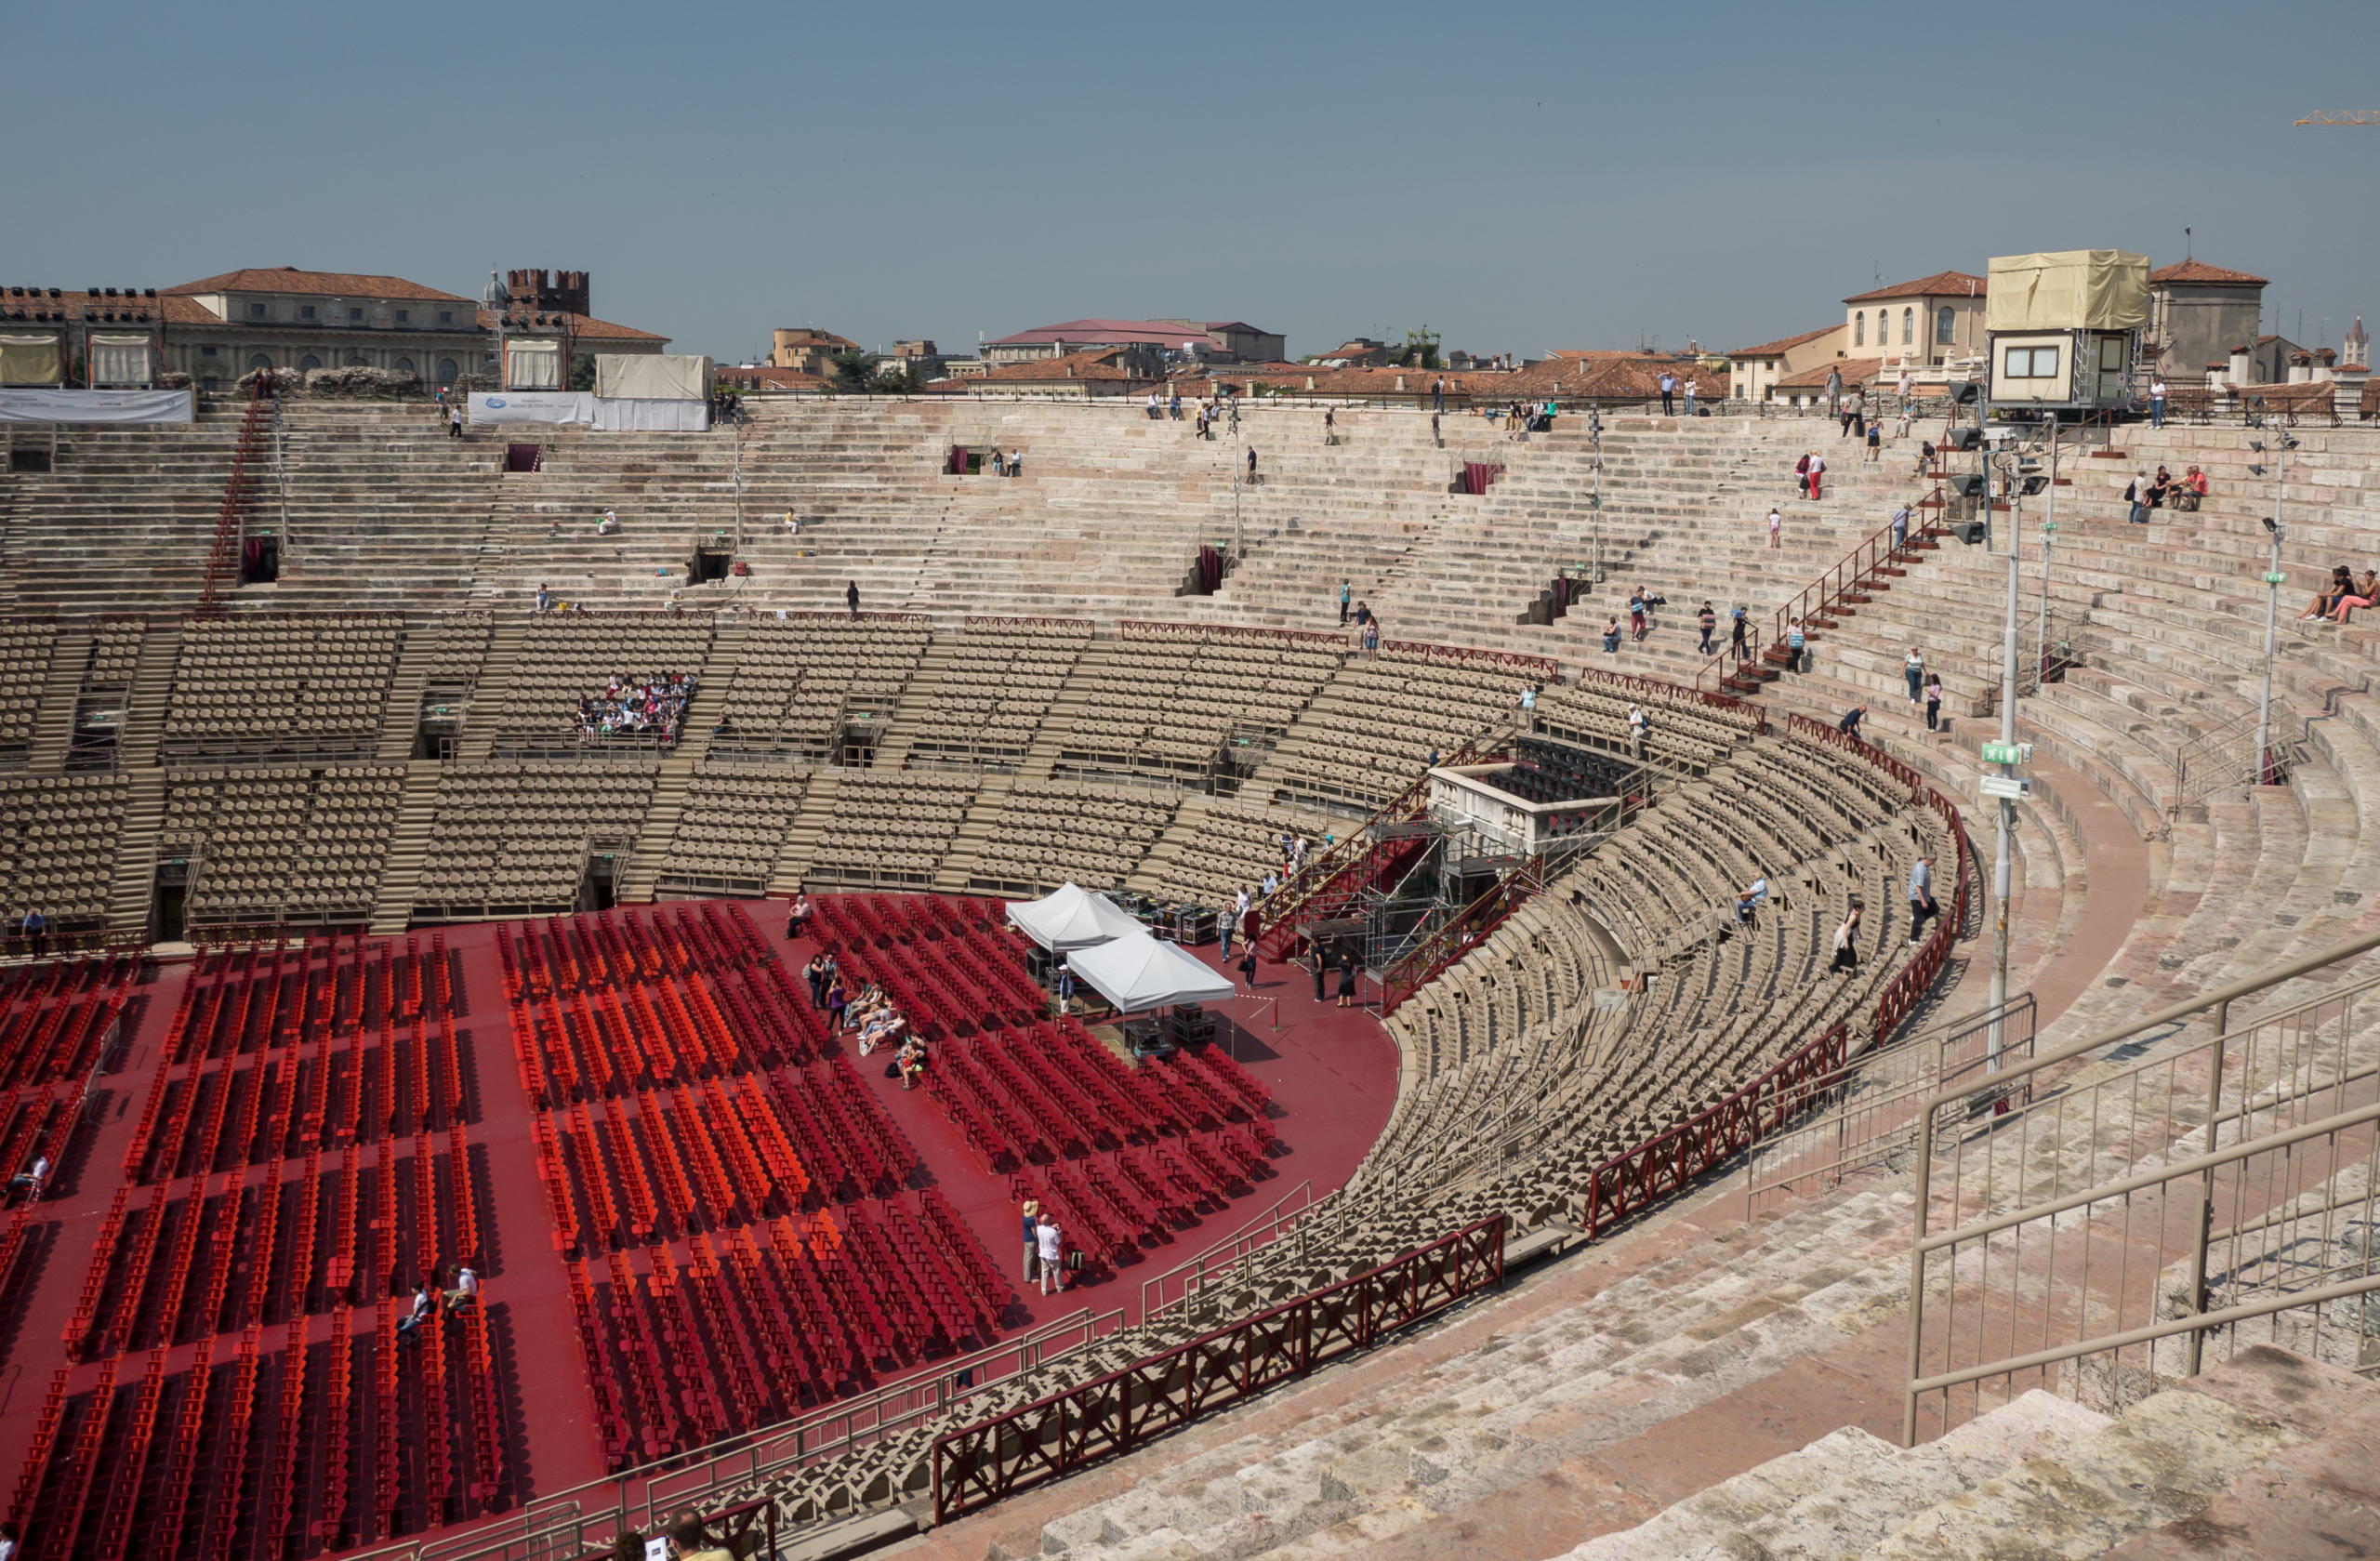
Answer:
[(1968, 531)]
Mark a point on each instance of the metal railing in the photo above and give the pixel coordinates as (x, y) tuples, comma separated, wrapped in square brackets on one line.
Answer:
[(2062, 1171), (1874, 1100), (223, 555), (1054, 1436), (2223, 756), (1846, 582)]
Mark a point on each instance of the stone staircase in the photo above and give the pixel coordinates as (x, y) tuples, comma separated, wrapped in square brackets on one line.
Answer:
[(408, 848), (652, 848)]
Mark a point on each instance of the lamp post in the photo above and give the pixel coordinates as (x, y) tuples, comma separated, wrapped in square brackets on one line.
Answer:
[(2049, 529), (1594, 433), (2005, 753), (496, 301), (2282, 446)]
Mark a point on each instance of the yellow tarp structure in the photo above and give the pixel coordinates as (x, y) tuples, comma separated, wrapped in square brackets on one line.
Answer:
[(29, 359), (2070, 290)]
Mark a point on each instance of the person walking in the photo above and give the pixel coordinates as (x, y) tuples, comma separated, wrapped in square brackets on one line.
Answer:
[(1847, 939), (455, 421), (1777, 522), (1372, 641), (1347, 982), (1740, 629), (1834, 391), (1875, 442), (1913, 668), (1050, 1251), (1223, 929), (2135, 511), (1900, 526), (1031, 1212), (35, 927), (1933, 702), (1801, 474), (1636, 614), (1818, 476), (1346, 590), (1706, 621), (1636, 731), (814, 972), (1251, 466), (1921, 907), (850, 597), (1437, 399), (1321, 964), (1797, 642), (1247, 953)]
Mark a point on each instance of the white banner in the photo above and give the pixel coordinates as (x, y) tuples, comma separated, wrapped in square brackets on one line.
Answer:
[(120, 358), (624, 414), (533, 365), (95, 406), (533, 406), (652, 377)]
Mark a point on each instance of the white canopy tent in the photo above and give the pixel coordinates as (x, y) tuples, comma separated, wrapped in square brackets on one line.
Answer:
[(1139, 972), (1071, 918)]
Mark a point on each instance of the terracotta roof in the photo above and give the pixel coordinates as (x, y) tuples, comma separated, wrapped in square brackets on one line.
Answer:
[(1855, 371), (808, 335), (2199, 270), (289, 279), (1941, 284), (766, 378), (1783, 344), (26, 306), (585, 327), (1605, 376), (2311, 395), (1117, 332), (1095, 364)]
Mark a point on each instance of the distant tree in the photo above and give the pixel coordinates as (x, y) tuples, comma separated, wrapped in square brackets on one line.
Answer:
[(896, 379), (582, 372), (1421, 350), (855, 372)]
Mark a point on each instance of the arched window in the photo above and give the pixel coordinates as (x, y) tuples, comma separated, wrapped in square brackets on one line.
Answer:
[(355, 360), (405, 366), (447, 372), (1945, 320), (1908, 326), (260, 360), (1859, 329), (309, 363)]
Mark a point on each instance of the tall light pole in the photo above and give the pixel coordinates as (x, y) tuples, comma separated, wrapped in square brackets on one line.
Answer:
[(2281, 444), (496, 301), (1594, 433), (2049, 529), (2005, 754)]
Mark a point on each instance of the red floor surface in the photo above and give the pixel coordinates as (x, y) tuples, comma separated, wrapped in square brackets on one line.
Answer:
[(1331, 1073)]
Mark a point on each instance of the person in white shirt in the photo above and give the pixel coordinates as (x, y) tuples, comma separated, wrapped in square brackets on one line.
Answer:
[(2157, 403), (1528, 698), (33, 1177), (1912, 667), (1049, 1249), (423, 1304), (1775, 528), (609, 526), (1753, 895), (1636, 730), (466, 1292), (1689, 398)]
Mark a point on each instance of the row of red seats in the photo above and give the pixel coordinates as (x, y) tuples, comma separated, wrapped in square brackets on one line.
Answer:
[(338, 1390), (38, 981), (594, 1353), (132, 1456), (224, 1488), (62, 1519), (682, 1350), (41, 1046), (278, 1512)]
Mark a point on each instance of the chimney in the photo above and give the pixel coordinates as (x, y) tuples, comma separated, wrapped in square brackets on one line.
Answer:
[(2300, 368), (2237, 374)]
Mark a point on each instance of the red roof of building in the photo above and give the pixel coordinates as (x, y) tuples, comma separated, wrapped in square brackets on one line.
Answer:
[(585, 327), (1855, 371), (1599, 376), (1784, 344), (2186, 271), (335, 283), (1941, 284), (1109, 332), (1093, 364)]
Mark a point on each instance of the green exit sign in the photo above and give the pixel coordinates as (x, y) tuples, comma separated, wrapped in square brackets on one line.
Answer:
[(2004, 753)]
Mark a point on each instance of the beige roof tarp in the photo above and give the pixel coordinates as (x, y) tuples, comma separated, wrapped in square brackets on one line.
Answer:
[(29, 359), (2070, 290), (652, 377)]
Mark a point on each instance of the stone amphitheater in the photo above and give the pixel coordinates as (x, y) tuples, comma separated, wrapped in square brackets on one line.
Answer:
[(1770, 1251)]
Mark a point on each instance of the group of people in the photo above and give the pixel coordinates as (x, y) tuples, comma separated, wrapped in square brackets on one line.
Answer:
[(2146, 493), (1924, 687), (654, 707), (1670, 388), (2345, 595), (1046, 1258), (871, 1015), (430, 1301), (1008, 465)]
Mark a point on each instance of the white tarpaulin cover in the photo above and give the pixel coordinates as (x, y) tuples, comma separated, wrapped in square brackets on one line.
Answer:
[(30, 358), (120, 358), (1140, 973), (652, 377), (2070, 290), (95, 406), (620, 414), (533, 365), (1072, 918), (533, 406)]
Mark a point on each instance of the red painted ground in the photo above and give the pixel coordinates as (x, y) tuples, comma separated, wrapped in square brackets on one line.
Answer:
[(1332, 1075)]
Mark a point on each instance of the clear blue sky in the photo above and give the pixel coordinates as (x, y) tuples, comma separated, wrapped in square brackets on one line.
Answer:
[(1519, 177)]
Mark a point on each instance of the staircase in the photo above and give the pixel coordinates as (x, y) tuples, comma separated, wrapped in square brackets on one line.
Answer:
[(144, 715), (487, 696), (408, 848), (136, 862), (710, 695), (62, 693), (401, 718), (801, 840), (652, 847), (968, 844)]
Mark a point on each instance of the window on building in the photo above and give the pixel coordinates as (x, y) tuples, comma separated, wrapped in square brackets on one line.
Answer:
[(356, 314), (206, 352), (2028, 362), (355, 360), (404, 315), (405, 366), (310, 363), (257, 312), (260, 360), (305, 312), (1859, 329), (446, 316), (210, 383), (1945, 325), (1908, 326), (447, 371)]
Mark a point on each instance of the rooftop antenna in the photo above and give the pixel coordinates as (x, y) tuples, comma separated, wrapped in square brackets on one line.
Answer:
[(2185, 243)]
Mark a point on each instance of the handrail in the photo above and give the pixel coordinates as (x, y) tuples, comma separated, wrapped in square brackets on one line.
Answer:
[(1662, 689), (226, 545), (1323, 870), (1880, 550)]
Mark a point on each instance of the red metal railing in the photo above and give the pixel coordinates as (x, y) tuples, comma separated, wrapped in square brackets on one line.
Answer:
[(1464, 932), (1054, 1436), (1669, 1162), (1540, 667), (1332, 878), (222, 559), (1845, 583), (1149, 629)]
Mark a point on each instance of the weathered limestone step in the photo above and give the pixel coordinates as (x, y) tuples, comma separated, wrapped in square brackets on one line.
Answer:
[(660, 826), (135, 865), (54, 716), (801, 841), (974, 832), (401, 718), (408, 847), (710, 692), (504, 644), (145, 716)]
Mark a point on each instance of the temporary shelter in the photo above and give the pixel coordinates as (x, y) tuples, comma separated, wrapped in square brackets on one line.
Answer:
[(1071, 918), (1139, 972)]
